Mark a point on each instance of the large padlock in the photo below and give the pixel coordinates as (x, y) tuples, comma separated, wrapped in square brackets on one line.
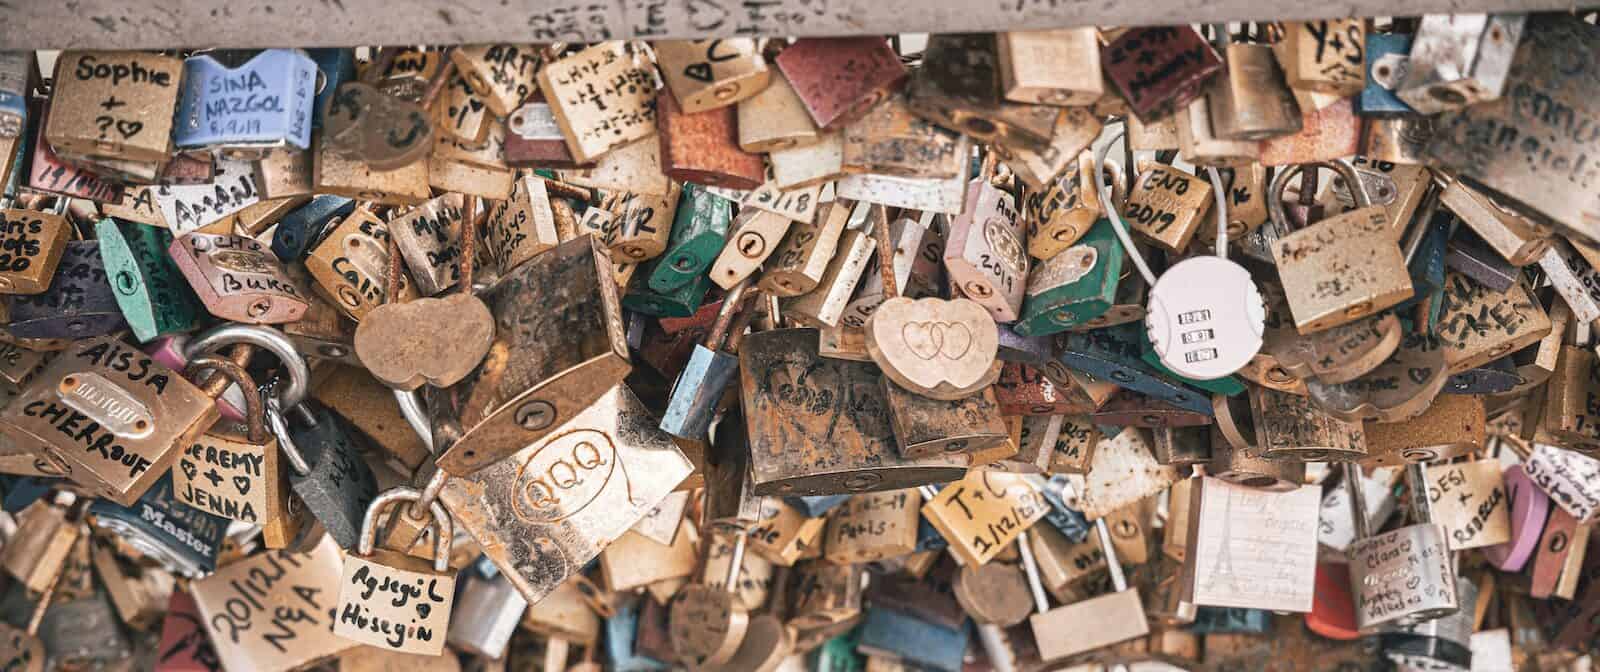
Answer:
[(1249, 101), (1275, 569), (839, 79), (1355, 248), (131, 414), (391, 600), (185, 540), (781, 376), (959, 87), (554, 354), (242, 104), (546, 510), (154, 297), (1404, 575)]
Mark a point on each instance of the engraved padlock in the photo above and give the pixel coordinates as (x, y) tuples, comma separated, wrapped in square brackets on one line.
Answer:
[(1404, 575), (238, 279)]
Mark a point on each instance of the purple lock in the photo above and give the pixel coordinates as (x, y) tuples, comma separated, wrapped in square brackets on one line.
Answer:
[(1529, 508)]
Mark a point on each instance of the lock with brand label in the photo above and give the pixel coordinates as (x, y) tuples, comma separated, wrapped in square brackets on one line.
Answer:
[(242, 104), (237, 278), (1459, 60), (392, 600)]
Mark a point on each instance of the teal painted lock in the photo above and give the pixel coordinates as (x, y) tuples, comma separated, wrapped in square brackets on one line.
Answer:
[(699, 232), (643, 297), (153, 296), (1074, 286)]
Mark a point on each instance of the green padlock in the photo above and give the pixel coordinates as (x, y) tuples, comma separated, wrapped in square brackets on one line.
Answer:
[(1074, 286), (154, 297), (642, 296), (699, 232)]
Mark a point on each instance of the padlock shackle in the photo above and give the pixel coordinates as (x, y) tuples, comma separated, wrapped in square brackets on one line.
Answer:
[(736, 561), (1030, 568), (280, 428), (730, 305), (254, 412), (1358, 501), (443, 528), (266, 338), (416, 415), (1103, 189), (1280, 182), (878, 221), (1220, 209), (1417, 483), (1119, 581)]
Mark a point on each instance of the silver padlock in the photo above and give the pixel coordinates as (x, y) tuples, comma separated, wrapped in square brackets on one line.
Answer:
[(1403, 576)]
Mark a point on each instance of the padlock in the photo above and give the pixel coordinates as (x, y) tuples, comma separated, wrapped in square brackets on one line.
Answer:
[(45, 535), (1467, 142), (595, 124), (1564, 475), (1113, 354), (1520, 241), (621, 630), (839, 79), (1101, 621), (501, 75), (1459, 60), (1303, 257), (493, 413), (19, 75), (681, 302), (429, 239), (959, 87), (80, 302), (984, 251), (1034, 66), (462, 115), (1442, 643), (241, 468), (1291, 427), (1399, 188), (544, 532), (1519, 320), (1326, 56), (534, 137), (699, 232), (1275, 569), (730, 503), (1404, 575), (890, 140), (1064, 211), (1249, 101), (873, 526), (244, 104), (115, 104), (827, 305), (783, 533), (300, 230), (798, 264), (184, 540), (521, 226), (706, 623), (138, 411), (1076, 285), (231, 602), (33, 243), (918, 243), (984, 512), (337, 175), (237, 278), (702, 147), (1387, 57), (473, 171), (1237, 458), (1159, 70), (1167, 206), (1467, 499), (392, 600), (708, 371), (1037, 166), (154, 298), (888, 634), (1200, 144), (708, 74), (755, 235), (1470, 256), (860, 445), (139, 594), (1400, 140)]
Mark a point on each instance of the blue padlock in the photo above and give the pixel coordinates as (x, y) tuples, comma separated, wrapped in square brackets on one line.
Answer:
[(184, 539), (621, 630), (1113, 354), (1387, 54), (1070, 522), (240, 111), (335, 66), (16, 83), (898, 635), (301, 229), (816, 506)]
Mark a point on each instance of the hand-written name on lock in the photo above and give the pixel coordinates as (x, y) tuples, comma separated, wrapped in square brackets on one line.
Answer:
[(1537, 113), (253, 592), (1320, 239), (19, 240), (564, 476), (224, 469), (188, 207), (1339, 54), (1480, 518), (1506, 312), (394, 593), (66, 296)]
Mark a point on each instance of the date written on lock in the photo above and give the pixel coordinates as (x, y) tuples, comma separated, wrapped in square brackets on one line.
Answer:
[(985, 512)]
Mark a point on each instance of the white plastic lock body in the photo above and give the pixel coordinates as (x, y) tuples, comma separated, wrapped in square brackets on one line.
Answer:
[(1205, 317)]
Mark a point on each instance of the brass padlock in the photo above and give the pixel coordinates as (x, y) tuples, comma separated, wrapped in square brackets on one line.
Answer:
[(873, 526), (1100, 621), (890, 140), (707, 74), (1167, 205), (1249, 101), (1051, 67), (31, 243), (1339, 269), (501, 75), (1519, 240), (351, 265), (595, 114), (115, 104), (983, 513), (392, 600), (1289, 426), (959, 87), (1327, 56), (554, 354), (253, 629), (242, 478), (775, 119)]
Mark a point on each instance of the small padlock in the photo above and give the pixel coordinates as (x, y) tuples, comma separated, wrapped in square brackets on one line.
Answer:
[(829, 305), (873, 526), (501, 75), (1034, 66), (1159, 70), (1403, 575), (301, 229), (1326, 56), (707, 74), (534, 137), (918, 242), (888, 634), (392, 600), (595, 124), (839, 79), (984, 512), (1237, 458), (1292, 427), (48, 173), (228, 473), (706, 624), (115, 104), (1167, 205), (237, 278), (33, 243), (800, 261), (241, 104), (1328, 131), (702, 147), (1459, 60), (154, 298), (1249, 101), (984, 250)]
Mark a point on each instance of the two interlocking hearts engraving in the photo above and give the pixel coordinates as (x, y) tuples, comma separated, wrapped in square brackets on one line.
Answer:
[(940, 349), (946, 340)]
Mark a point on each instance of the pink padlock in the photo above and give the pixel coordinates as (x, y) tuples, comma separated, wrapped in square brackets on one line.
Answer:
[(1529, 508), (238, 279), (168, 351)]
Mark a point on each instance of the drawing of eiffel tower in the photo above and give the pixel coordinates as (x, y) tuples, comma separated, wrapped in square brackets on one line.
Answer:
[(1223, 569)]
